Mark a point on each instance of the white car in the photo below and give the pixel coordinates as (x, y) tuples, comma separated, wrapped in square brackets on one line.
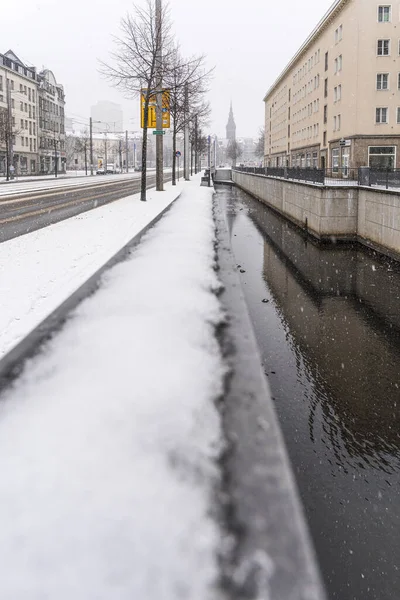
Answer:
[(111, 169)]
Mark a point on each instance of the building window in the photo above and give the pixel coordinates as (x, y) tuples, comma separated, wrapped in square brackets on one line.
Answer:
[(384, 13), (21, 88), (398, 114), (383, 48), (21, 106), (325, 113), (335, 160), (339, 122), (381, 115), (398, 81), (382, 81), (22, 123), (382, 157), (325, 88), (22, 141), (326, 61), (334, 123), (338, 64), (12, 103), (26, 107), (338, 34), (26, 124), (324, 140)]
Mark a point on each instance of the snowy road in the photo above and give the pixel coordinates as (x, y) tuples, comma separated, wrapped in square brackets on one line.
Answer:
[(37, 207)]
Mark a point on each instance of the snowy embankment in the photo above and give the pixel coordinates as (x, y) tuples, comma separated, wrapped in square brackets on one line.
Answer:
[(108, 439), (39, 270)]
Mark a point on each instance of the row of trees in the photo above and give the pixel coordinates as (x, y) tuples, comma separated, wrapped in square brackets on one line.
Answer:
[(146, 53), (234, 150)]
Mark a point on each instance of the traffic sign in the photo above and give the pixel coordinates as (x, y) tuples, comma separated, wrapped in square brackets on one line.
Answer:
[(152, 117), (178, 153), (158, 132)]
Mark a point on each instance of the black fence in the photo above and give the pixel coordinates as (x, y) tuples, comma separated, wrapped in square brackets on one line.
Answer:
[(387, 178)]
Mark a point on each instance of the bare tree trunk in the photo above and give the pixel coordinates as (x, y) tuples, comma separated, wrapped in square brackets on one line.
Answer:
[(174, 156), (144, 149)]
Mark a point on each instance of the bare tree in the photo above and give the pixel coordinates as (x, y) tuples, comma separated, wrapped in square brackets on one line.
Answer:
[(135, 61), (234, 151), (188, 83), (199, 141), (259, 149), (82, 146)]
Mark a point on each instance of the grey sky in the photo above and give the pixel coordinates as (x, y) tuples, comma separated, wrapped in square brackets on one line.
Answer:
[(248, 42)]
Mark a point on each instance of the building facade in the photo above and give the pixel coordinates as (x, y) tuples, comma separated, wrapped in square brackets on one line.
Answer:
[(18, 103), (51, 100), (32, 110), (337, 103)]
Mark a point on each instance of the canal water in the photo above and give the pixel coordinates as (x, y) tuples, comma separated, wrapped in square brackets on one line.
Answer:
[(327, 320)]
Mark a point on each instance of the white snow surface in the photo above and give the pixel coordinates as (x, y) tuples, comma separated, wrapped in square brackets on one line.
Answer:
[(39, 270), (108, 439)]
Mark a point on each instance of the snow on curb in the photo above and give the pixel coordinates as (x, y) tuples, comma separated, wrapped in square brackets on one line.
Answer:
[(39, 270), (109, 439)]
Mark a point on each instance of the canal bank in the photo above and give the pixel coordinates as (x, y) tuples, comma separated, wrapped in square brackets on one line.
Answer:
[(328, 331), (344, 213)]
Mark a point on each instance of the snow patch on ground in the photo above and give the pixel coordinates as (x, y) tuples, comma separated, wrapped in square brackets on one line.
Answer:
[(109, 438), (39, 270)]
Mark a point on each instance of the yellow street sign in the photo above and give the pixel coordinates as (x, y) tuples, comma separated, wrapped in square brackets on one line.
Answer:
[(152, 118)]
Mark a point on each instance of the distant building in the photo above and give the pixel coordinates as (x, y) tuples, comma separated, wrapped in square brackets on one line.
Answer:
[(336, 104), (110, 115), (231, 126)]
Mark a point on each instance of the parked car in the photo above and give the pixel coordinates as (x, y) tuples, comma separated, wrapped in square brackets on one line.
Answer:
[(100, 171), (111, 169)]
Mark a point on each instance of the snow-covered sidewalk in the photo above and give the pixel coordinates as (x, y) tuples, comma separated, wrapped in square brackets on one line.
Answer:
[(38, 271), (109, 439)]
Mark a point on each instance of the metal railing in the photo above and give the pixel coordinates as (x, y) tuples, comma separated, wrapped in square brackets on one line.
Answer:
[(388, 178), (310, 174), (339, 176)]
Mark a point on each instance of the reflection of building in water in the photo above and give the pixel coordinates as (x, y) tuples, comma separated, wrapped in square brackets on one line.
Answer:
[(340, 307)]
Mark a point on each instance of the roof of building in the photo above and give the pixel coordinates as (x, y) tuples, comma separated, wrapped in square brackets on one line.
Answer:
[(336, 7)]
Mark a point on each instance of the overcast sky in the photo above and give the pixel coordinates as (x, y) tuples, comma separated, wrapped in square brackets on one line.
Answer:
[(248, 42)]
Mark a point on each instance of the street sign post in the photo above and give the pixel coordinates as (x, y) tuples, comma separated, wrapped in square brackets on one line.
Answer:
[(158, 132)]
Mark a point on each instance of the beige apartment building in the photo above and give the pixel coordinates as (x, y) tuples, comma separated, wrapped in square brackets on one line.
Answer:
[(337, 103), (32, 118)]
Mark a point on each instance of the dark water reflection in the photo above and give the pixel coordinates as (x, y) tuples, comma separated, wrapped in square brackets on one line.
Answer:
[(330, 341)]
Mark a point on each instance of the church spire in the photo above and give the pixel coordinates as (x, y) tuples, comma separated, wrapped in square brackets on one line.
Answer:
[(231, 126)]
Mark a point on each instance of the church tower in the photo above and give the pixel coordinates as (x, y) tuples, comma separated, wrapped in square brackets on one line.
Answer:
[(231, 127)]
